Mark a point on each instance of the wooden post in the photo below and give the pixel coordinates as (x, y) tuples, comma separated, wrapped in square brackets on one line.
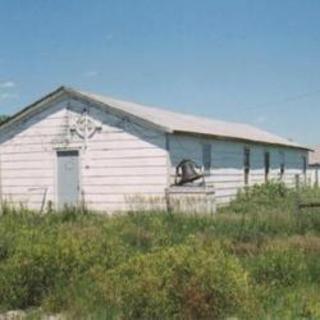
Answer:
[(297, 203), (167, 198)]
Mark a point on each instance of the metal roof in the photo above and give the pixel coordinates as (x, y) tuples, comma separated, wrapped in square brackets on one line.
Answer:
[(169, 121), (177, 122)]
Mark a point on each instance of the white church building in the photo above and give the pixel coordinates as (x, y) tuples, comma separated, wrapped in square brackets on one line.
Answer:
[(72, 147)]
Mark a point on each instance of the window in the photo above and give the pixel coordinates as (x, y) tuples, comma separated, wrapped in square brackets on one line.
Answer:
[(304, 168), (206, 158), (282, 164), (266, 166), (246, 165)]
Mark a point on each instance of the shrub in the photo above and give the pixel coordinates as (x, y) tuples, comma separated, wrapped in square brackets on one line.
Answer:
[(310, 304), (260, 197), (148, 265), (279, 266), (186, 282), (48, 256)]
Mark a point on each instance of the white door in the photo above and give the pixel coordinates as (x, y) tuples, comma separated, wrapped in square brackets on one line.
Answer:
[(68, 178)]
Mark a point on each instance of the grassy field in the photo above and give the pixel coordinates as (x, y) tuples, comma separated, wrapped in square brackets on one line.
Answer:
[(256, 259)]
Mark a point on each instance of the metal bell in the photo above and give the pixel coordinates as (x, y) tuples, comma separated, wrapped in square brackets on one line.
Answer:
[(186, 172)]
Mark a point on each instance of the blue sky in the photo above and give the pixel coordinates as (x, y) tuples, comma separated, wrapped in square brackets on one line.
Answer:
[(252, 61)]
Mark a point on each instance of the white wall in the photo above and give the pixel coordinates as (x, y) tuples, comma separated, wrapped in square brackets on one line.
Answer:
[(121, 161), (227, 172), (314, 175)]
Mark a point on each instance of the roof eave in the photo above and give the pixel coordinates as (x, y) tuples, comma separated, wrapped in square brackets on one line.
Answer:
[(229, 138), (35, 105)]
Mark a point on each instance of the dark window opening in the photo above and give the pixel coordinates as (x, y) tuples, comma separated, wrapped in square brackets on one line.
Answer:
[(304, 164), (206, 158), (266, 166), (246, 165)]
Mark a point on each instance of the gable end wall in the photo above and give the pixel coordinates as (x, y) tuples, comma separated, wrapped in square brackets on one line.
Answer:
[(120, 161)]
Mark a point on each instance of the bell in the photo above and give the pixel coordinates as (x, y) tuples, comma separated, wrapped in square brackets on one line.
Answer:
[(186, 171)]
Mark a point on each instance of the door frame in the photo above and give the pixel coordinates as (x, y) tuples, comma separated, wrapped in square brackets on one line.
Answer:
[(56, 191)]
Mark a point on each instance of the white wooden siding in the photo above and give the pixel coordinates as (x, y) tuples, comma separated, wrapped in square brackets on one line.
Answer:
[(313, 175), (121, 162), (227, 171)]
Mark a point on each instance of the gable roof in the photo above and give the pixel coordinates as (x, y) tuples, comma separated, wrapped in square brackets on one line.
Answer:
[(168, 121)]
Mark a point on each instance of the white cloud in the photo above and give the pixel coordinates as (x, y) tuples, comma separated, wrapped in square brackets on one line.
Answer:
[(6, 95), (91, 74), (7, 84)]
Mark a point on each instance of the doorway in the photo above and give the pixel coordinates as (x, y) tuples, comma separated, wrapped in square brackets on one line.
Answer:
[(68, 183)]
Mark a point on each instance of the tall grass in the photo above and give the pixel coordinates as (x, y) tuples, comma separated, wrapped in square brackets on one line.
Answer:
[(257, 258)]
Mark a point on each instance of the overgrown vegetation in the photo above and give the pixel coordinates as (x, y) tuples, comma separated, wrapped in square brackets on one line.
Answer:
[(255, 259)]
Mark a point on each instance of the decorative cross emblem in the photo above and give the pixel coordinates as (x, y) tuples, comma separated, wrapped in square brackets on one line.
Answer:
[(85, 127)]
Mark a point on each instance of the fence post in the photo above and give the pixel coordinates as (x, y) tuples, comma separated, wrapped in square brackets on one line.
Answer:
[(297, 203)]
